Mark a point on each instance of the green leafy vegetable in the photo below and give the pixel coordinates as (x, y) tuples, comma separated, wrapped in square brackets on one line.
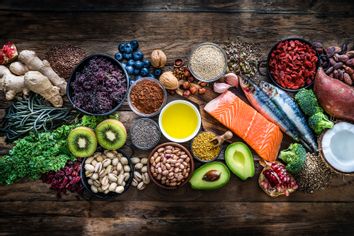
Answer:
[(307, 101), (319, 122), (39, 153), (36, 154), (294, 157)]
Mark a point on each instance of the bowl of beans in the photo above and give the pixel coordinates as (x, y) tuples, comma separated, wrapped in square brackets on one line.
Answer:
[(170, 165), (292, 64)]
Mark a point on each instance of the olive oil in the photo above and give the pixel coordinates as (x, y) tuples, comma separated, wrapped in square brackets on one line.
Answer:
[(179, 120)]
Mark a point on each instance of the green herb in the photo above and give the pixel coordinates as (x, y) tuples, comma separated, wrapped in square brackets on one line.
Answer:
[(32, 114)]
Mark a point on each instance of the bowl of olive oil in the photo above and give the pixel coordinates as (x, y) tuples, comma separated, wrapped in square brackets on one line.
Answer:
[(179, 121)]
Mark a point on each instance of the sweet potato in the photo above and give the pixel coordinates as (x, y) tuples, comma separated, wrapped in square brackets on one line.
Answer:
[(336, 97)]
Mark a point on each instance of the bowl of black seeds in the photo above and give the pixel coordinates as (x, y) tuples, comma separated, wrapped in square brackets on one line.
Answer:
[(145, 133)]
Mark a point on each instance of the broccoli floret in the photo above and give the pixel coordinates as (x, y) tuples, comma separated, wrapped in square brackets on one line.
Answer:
[(319, 122), (294, 157), (308, 102)]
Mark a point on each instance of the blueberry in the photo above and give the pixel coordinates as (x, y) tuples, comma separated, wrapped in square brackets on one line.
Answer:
[(138, 77), (127, 56), (136, 72), (131, 62), (128, 48), (144, 72), (131, 82), (121, 47), (138, 64), (151, 76), (135, 44), (118, 56), (157, 72), (146, 63), (129, 69), (138, 55)]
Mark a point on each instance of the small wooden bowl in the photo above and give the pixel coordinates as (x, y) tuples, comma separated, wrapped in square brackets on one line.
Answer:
[(191, 165)]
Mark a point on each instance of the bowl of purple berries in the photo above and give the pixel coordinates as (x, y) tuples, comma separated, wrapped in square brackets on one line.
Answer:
[(134, 62), (98, 85)]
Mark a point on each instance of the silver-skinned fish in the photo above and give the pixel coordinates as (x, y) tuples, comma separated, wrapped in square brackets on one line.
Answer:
[(284, 102), (261, 102)]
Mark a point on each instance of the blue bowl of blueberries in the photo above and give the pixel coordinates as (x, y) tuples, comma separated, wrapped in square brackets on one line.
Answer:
[(132, 59)]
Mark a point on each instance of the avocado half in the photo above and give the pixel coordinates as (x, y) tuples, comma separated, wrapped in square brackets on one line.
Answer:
[(200, 182), (239, 159)]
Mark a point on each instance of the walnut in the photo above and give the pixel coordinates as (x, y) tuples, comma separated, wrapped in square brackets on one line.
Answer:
[(169, 81), (158, 59)]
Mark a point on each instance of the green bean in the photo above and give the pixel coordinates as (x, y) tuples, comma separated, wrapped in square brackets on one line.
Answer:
[(32, 114)]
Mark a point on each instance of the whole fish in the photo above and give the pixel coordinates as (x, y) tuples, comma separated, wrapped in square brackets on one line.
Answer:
[(261, 102), (293, 112)]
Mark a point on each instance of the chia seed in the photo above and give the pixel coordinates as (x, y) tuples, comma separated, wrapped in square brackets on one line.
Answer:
[(315, 175), (145, 134)]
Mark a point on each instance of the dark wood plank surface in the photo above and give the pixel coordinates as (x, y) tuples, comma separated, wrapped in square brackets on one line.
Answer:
[(174, 26)]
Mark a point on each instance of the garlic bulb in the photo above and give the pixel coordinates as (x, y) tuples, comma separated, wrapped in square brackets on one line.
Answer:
[(221, 87)]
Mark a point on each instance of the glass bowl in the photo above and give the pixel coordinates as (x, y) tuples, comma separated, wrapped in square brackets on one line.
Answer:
[(153, 123), (198, 77), (135, 110)]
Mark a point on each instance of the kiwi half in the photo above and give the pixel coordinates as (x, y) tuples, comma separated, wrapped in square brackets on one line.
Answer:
[(82, 142), (111, 134)]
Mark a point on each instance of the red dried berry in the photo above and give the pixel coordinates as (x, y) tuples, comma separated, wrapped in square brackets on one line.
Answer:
[(293, 64), (65, 179)]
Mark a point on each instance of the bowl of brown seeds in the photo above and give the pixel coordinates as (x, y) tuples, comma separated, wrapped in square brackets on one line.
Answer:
[(207, 62), (170, 165)]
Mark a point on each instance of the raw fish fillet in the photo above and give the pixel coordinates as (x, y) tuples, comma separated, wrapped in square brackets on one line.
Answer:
[(262, 135)]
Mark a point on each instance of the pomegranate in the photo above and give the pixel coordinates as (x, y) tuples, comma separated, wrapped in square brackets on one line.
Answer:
[(275, 180), (8, 53)]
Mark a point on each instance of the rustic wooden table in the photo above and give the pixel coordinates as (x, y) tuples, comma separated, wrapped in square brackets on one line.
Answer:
[(174, 27)]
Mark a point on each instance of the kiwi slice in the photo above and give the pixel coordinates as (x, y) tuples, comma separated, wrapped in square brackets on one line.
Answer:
[(111, 134), (82, 142)]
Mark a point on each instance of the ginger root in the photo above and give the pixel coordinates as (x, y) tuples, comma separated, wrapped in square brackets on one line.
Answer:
[(32, 81), (32, 61), (38, 83), (18, 68), (11, 84)]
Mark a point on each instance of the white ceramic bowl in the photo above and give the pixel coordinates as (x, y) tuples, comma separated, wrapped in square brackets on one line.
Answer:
[(196, 129)]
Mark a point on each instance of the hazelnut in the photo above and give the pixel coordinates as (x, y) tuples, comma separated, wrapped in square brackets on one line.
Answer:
[(203, 84), (168, 80), (202, 91), (186, 72), (193, 90), (191, 79), (158, 59), (186, 93), (186, 85)]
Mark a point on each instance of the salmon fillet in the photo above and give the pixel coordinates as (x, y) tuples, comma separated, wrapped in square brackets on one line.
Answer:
[(259, 133)]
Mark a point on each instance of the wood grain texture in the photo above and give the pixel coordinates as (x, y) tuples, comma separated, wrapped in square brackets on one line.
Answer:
[(171, 218), (174, 26), (313, 7)]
